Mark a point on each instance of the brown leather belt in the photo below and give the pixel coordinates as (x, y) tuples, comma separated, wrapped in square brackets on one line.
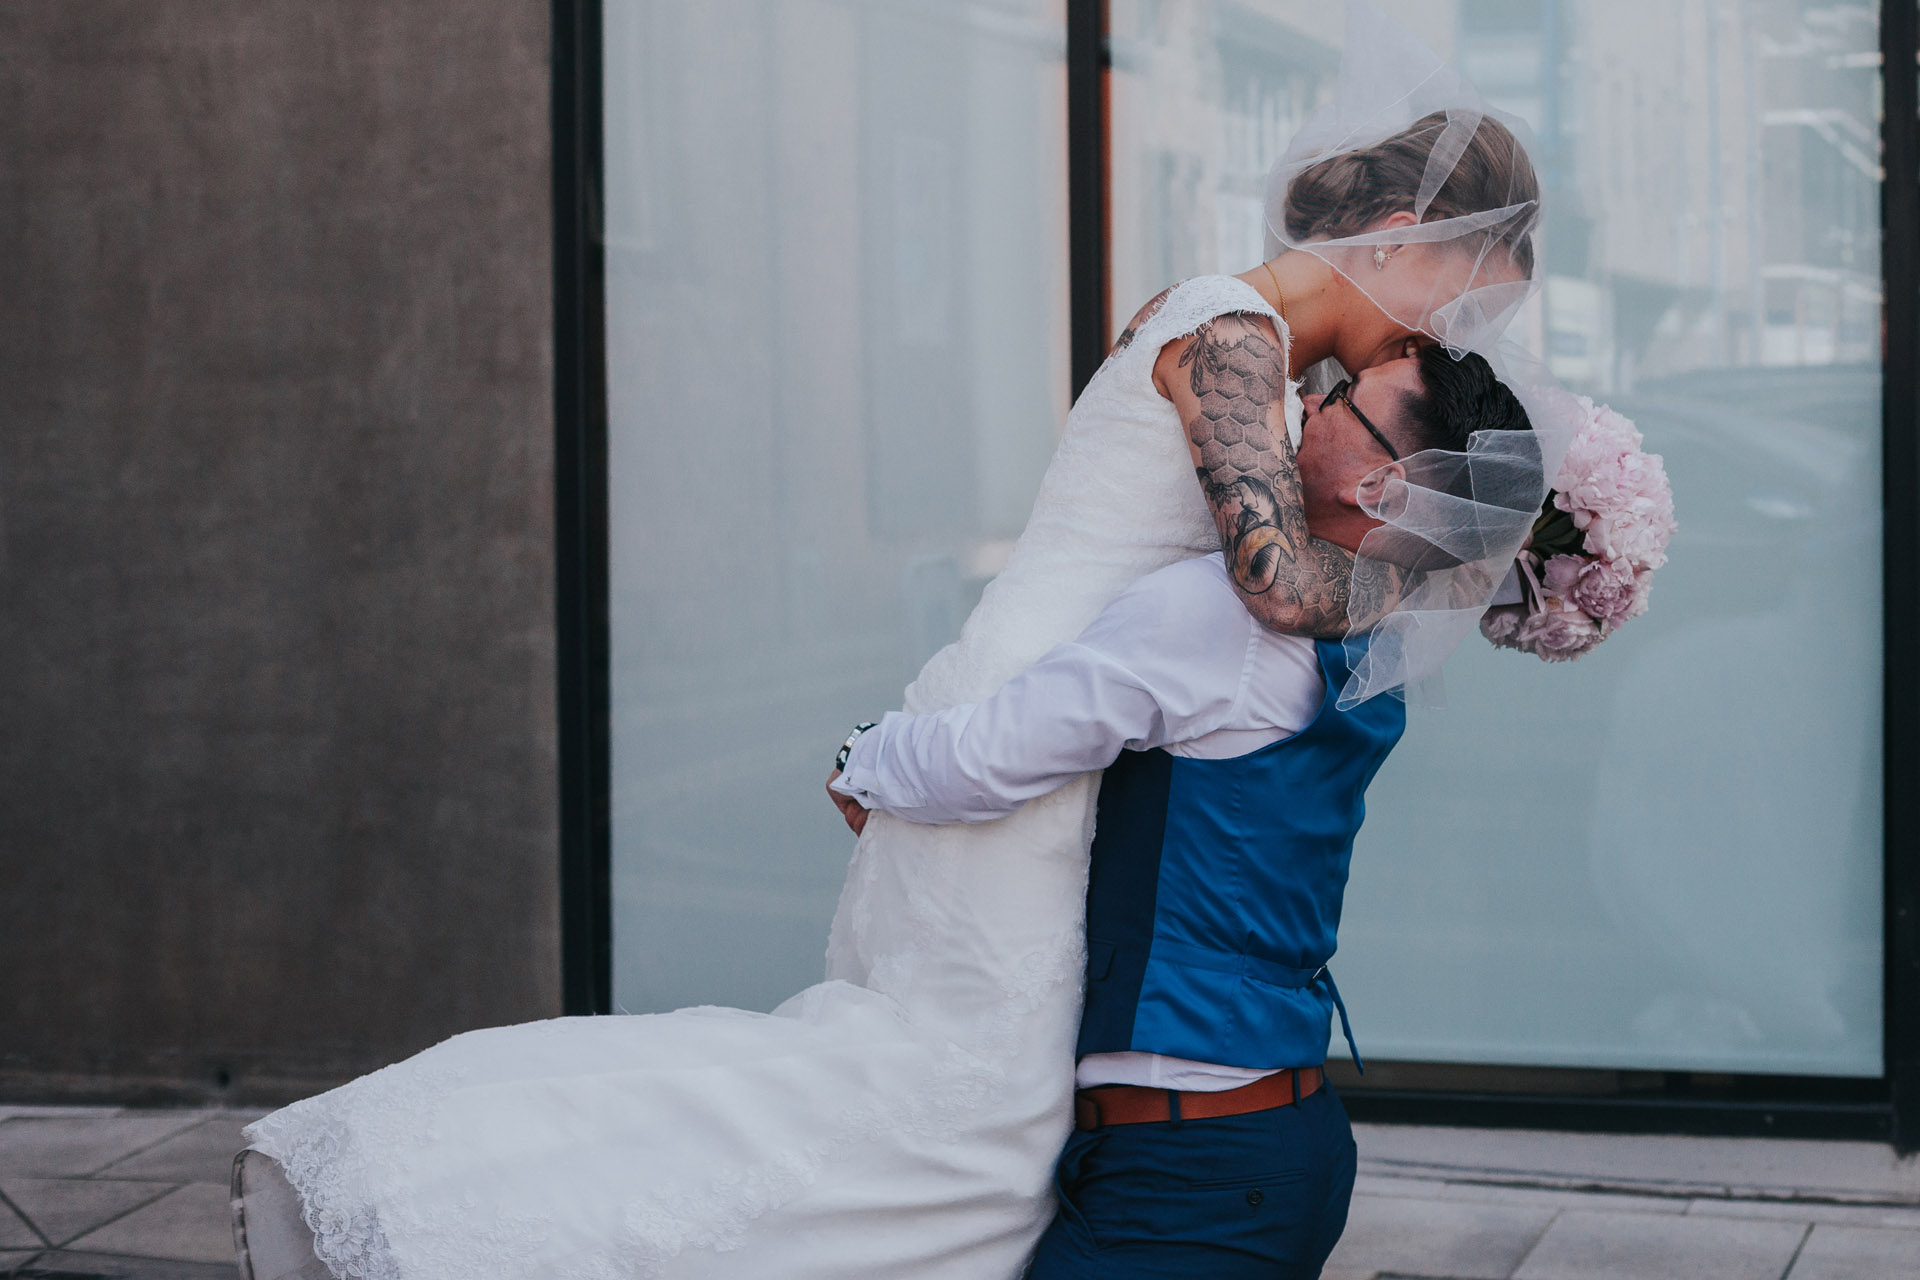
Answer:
[(1108, 1104)]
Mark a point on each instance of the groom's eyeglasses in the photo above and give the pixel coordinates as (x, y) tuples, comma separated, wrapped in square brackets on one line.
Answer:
[(1343, 393)]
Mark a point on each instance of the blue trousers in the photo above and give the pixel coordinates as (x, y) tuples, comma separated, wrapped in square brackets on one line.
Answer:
[(1255, 1197)]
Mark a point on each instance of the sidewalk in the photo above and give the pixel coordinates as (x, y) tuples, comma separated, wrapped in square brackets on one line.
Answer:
[(100, 1191), (1490, 1204), (142, 1195)]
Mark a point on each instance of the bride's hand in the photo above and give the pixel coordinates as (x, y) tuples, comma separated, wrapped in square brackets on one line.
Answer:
[(850, 809)]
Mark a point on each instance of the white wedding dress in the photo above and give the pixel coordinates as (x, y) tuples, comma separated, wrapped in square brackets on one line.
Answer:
[(901, 1120)]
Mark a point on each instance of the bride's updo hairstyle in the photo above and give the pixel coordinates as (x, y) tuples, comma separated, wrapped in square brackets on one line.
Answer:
[(1349, 193), (1404, 135)]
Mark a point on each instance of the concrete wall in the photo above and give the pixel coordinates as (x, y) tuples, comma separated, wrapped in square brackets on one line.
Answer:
[(277, 777)]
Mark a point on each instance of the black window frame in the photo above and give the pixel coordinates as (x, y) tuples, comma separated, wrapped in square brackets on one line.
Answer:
[(580, 509), (1887, 1109)]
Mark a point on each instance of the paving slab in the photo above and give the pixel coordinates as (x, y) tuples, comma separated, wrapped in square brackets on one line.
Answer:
[(63, 1264), (1855, 1215), (191, 1224), (63, 1208), (1455, 1239), (16, 1232), (41, 1146), (1853, 1170), (1538, 1197), (203, 1153), (1857, 1253), (11, 1258), (1583, 1245)]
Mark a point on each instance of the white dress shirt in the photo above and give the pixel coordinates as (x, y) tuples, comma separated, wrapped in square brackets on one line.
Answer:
[(1176, 662)]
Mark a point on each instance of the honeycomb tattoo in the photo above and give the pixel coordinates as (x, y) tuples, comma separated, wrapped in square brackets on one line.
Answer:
[(1291, 580)]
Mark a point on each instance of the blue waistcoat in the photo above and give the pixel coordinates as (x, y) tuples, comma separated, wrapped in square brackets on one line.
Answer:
[(1216, 887)]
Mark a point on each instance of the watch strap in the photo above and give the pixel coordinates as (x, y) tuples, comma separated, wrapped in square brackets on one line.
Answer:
[(846, 748)]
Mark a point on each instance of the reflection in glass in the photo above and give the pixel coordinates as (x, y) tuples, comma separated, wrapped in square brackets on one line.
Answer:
[(836, 329), (1668, 854)]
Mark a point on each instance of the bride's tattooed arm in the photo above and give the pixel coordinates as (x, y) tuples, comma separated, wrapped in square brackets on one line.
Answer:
[(1140, 318), (1230, 387)]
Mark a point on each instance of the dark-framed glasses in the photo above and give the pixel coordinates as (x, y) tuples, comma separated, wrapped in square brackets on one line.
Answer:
[(1343, 393)]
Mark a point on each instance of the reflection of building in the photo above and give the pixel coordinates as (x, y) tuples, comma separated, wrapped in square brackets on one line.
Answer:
[(1205, 96), (1710, 169)]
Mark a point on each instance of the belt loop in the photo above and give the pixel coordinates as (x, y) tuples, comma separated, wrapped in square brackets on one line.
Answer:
[(1173, 1106), (1295, 1073)]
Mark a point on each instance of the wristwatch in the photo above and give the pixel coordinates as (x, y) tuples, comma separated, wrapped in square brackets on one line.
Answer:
[(846, 748)]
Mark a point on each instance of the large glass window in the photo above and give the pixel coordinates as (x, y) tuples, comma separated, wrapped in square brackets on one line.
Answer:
[(1667, 855), (837, 364)]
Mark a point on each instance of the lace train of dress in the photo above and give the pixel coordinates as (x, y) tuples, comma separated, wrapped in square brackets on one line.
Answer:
[(899, 1121)]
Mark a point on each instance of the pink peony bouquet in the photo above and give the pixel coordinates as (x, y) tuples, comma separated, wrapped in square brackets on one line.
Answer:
[(1588, 565)]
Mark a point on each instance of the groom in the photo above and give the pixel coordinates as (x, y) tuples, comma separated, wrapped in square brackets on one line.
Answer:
[(1207, 1139)]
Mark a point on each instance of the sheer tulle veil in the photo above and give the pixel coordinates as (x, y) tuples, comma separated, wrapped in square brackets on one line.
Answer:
[(1460, 515)]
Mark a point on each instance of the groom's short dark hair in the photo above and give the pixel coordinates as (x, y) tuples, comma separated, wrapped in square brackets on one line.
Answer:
[(1461, 396)]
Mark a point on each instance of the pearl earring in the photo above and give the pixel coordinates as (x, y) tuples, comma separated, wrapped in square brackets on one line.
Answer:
[(1380, 257)]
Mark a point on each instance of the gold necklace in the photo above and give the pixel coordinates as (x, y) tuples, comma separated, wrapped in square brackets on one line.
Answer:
[(1279, 295)]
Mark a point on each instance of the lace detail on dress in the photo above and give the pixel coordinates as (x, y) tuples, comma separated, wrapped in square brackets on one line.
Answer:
[(328, 1147), (1039, 972), (1128, 383), (1194, 302), (475, 1238)]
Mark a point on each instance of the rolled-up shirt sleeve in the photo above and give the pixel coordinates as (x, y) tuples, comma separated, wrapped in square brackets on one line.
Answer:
[(1153, 669)]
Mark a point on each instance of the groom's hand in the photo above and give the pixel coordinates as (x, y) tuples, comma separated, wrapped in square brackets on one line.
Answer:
[(850, 809)]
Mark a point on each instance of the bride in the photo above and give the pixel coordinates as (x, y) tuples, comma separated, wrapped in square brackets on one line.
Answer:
[(901, 1120)]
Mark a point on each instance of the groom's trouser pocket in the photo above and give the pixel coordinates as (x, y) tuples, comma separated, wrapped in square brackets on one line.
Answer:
[(1262, 1195)]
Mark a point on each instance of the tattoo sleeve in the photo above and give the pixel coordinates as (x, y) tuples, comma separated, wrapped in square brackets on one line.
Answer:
[(1140, 318), (1233, 402)]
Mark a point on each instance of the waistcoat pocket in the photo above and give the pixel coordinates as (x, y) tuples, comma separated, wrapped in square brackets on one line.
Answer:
[(1099, 959)]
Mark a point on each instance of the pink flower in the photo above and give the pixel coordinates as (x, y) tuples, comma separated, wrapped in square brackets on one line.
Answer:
[(1615, 492), (1557, 635), (1639, 528), (1609, 590), (1642, 590), (1500, 624), (1561, 573), (1589, 478), (1619, 497)]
